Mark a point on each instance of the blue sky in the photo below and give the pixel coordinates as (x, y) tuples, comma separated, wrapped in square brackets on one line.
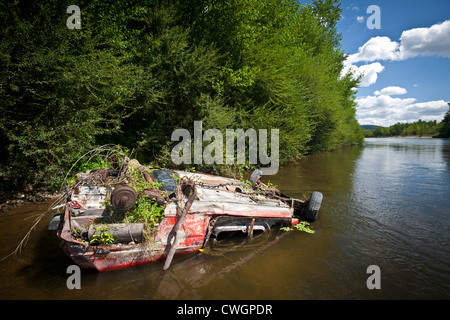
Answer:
[(406, 62)]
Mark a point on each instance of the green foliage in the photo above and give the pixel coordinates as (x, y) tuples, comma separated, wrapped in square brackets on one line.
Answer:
[(301, 226), (138, 70), (146, 211), (304, 226), (102, 239), (59, 91), (444, 130), (417, 128)]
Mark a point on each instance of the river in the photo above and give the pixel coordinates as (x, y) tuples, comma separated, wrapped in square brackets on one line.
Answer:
[(386, 204)]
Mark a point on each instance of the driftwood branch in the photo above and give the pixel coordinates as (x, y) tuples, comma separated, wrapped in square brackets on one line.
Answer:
[(182, 210), (38, 219)]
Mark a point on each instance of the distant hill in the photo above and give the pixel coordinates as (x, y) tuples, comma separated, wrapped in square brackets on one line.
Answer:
[(368, 126)]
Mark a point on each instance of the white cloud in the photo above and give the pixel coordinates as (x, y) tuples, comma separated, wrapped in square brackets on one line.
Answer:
[(369, 72), (432, 41), (377, 48), (391, 91), (384, 107), (360, 19), (385, 110)]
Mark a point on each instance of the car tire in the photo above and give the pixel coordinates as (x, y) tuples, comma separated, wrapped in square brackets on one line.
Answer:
[(313, 206), (255, 176)]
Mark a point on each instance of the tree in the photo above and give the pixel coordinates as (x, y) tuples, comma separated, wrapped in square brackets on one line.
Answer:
[(59, 91), (444, 132), (137, 70)]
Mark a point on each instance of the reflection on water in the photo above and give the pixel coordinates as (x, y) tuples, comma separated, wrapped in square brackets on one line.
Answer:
[(385, 203)]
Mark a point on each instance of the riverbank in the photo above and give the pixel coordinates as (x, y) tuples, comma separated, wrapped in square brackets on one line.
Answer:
[(14, 198), (426, 136)]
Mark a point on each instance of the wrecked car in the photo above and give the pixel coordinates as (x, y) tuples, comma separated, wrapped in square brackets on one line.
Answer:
[(180, 212)]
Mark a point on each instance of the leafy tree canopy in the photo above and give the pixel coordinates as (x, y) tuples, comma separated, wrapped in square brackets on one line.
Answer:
[(137, 70)]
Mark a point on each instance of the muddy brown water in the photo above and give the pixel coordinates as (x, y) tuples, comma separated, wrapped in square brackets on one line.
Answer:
[(386, 203)]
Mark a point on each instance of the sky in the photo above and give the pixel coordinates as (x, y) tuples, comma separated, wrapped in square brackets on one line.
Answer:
[(402, 50)]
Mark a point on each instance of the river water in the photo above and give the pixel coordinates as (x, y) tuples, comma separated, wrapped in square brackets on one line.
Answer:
[(386, 203)]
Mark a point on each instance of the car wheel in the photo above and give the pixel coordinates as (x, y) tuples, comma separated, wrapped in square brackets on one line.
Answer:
[(313, 206), (255, 176)]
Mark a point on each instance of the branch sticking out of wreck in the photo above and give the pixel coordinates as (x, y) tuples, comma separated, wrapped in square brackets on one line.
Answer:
[(182, 210)]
